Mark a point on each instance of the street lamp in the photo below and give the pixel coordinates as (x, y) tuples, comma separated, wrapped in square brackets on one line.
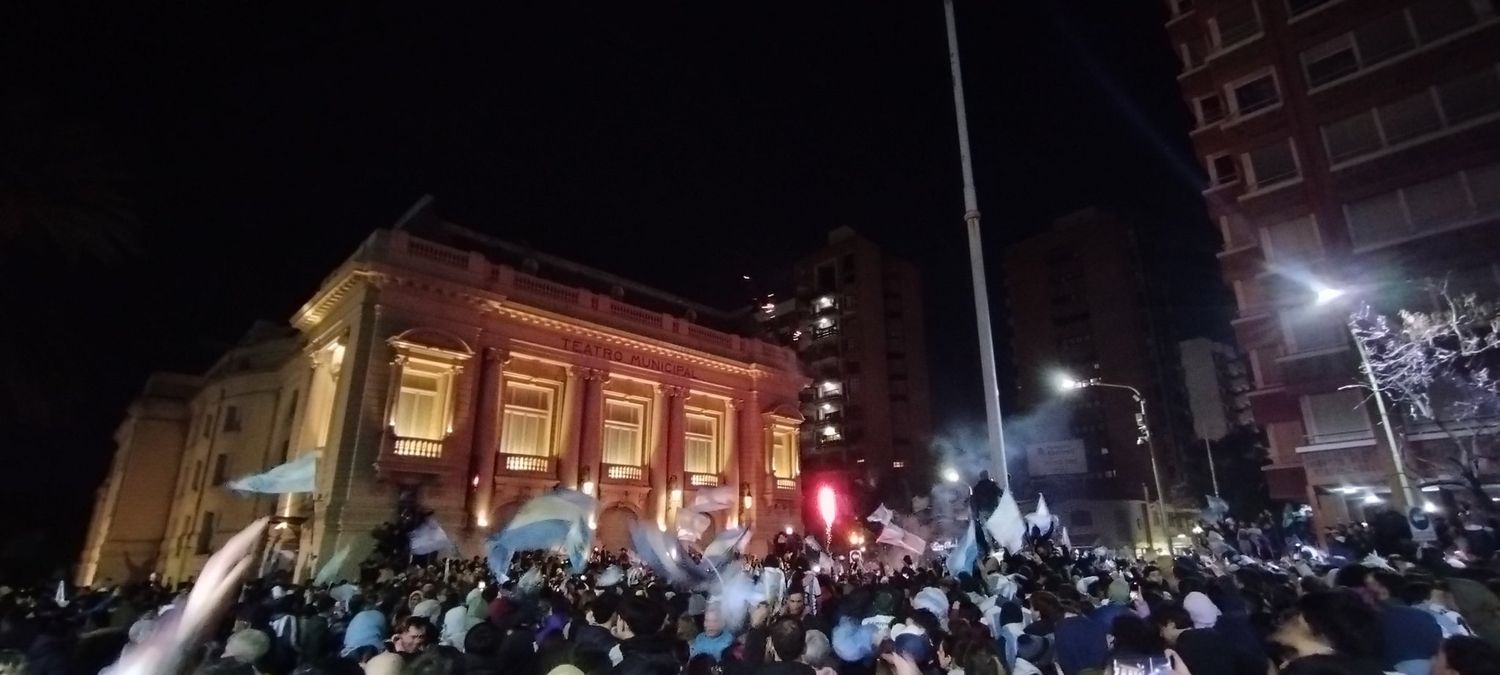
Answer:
[(1066, 384), (950, 474), (1324, 295)]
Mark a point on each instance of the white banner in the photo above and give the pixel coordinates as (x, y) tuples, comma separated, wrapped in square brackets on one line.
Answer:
[(1057, 458)]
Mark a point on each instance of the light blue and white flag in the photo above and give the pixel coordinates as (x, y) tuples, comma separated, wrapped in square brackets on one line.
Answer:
[(298, 475), (557, 520), (736, 594), (900, 538), (964, 554), (1005, 526), (665, 556), (691, 525), (429, 537), (1041, 519), (881, 515), (725, 543), (709, 500), (335, 564)]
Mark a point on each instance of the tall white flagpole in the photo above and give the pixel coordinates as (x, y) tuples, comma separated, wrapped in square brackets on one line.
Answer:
[(993, 426)]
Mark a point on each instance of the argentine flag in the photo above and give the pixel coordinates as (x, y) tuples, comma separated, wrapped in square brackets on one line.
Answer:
[(298, 475), (557, 520)]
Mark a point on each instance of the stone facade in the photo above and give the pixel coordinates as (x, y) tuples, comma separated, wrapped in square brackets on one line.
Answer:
[(455, 377)]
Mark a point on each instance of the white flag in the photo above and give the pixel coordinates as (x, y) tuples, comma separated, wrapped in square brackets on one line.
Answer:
[(691, 525), (61, 598), (429, 537), (298, 475), (1005, 526), (714, 499), (900, 538), (881, 515)]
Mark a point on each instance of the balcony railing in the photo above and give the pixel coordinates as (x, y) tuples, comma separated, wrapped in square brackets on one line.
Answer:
[(622, 473), (525, 464), (417, 447), (786, 483), (702, 480)]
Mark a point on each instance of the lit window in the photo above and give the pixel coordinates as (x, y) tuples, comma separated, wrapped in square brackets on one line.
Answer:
[(527, 426), (831, 388), (824, 302), (783, 454), (830, 430), (623, 432), (701, 443), (421, 406)]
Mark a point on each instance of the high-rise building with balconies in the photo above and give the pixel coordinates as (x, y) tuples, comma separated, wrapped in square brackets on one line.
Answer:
[(1352, 145), (856, 322)]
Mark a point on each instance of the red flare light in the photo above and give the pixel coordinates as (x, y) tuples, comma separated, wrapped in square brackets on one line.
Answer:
[(828, 505)]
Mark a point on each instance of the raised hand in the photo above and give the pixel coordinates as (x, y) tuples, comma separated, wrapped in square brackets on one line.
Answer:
[(217, 585)]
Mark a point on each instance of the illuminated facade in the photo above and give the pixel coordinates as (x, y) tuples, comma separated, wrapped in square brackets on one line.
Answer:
[(467, 375)]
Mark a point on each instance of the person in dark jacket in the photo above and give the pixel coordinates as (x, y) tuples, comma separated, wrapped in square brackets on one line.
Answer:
[(643, 650), (598, 617), (1082, 644), (788, 640), (1203, 650)]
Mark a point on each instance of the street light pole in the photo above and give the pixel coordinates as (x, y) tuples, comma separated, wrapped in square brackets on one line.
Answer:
[(1212, 472), (1408, 498), (1144, 428), (1323, 295), (993, 426)]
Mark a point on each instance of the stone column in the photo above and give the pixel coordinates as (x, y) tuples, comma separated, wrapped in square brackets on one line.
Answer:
[(591, 448), (656, 454), (748, 457), (729, 470), (487, 420), (676, 425), (569, 437)]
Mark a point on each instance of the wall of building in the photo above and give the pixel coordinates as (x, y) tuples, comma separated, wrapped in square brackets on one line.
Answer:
[(1410, 112), (130, 512), (1080, 306)]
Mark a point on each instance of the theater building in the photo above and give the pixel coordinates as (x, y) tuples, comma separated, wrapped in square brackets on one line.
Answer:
[(463, 374)]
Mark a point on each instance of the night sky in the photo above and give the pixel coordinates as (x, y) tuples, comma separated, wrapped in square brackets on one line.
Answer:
[(251, 146)]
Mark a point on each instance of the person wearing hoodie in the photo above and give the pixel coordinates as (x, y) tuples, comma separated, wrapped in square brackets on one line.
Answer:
[(1082, 644), (1117, 602), (1203, 650), (642, 649)]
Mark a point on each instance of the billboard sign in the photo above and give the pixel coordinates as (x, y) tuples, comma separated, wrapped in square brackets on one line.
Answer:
[(1055, 458)]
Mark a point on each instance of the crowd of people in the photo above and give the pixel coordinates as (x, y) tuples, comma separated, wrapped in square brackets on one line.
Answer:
[(1045, 609)]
